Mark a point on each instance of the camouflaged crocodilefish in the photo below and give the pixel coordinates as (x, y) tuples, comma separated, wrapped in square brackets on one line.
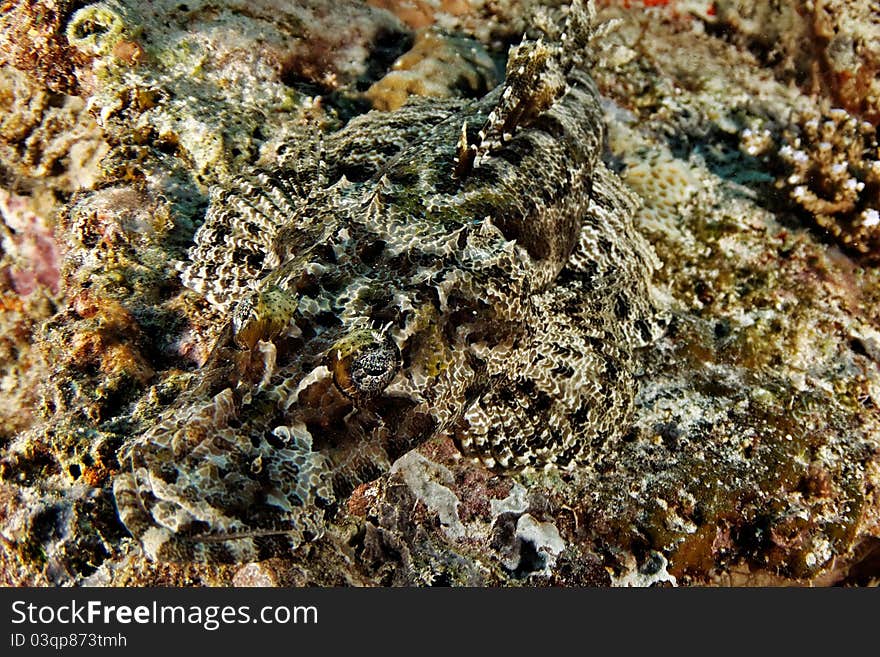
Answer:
[(467, 268)]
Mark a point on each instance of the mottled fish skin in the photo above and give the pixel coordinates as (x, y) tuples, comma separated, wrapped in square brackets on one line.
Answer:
[(459, 268)]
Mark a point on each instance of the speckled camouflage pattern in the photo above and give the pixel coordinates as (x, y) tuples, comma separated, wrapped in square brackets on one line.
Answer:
[(455, 267)]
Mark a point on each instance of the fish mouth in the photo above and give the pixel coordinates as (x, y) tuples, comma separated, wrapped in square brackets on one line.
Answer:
[(362, 437), (288, 388)]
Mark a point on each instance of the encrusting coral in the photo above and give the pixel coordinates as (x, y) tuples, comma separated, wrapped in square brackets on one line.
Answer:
[(833, 163), (831, 47), (439, 66)]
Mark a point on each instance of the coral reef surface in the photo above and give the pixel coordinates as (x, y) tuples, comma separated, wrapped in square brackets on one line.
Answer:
[(737, 185)]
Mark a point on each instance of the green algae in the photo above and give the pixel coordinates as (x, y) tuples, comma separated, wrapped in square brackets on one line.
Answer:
[(97, 28)]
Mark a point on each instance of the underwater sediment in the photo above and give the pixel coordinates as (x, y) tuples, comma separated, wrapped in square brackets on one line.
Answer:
[(748, 134)]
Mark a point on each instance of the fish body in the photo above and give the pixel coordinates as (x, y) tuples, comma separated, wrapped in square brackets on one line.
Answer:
[(465, 268)]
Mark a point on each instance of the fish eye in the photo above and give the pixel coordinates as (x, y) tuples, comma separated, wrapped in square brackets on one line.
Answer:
[(263, 316), (363, 364)]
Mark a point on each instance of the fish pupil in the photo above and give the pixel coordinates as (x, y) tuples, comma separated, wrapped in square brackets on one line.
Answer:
[(374, 364)]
